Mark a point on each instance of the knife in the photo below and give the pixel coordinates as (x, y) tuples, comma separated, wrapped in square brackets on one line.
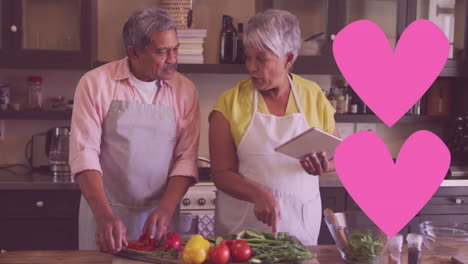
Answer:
[(141, 257)]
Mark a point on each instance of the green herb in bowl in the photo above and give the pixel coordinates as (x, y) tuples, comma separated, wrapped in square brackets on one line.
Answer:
[(363, 247)]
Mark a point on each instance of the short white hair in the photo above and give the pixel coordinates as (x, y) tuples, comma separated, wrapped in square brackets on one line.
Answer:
[(140, 26), (274, 30)]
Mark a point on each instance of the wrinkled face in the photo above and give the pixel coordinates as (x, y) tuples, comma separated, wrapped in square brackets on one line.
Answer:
[(158, 60), (265, 68)]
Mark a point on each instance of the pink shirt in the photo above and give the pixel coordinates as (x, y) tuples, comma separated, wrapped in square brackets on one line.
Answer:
[(93, 96)]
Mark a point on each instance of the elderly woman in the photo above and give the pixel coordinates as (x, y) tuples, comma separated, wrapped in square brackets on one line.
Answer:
[(259, 188)]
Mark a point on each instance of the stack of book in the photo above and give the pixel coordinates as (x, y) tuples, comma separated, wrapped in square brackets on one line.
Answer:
[(191, 45)]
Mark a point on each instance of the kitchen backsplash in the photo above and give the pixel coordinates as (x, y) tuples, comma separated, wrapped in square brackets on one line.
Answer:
[(210, 86)]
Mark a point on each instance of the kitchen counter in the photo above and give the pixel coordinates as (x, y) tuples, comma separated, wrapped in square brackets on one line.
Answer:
[(332, 180), (43, 180), (326, 255), (36, 180)]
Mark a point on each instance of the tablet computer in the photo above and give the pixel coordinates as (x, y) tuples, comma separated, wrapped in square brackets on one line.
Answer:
[(309, 141)]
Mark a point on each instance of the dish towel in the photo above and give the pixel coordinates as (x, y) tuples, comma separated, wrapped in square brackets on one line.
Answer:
[(205, 225)]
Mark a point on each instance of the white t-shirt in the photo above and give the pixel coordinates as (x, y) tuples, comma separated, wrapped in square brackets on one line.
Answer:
[(146, 90)]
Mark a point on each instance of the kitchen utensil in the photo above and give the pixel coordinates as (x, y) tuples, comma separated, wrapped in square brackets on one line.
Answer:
[(57, 147), (331, 218), (314, 36), (445, 237), (4, 96), (349, 229)]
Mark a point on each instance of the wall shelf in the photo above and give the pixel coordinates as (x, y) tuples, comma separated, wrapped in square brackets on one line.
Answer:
[(340, 118), (35, 115), (303, 65), (406, 119)]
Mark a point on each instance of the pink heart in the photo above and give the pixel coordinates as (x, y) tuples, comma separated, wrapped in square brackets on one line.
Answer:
[(391, 194), (390, 82)]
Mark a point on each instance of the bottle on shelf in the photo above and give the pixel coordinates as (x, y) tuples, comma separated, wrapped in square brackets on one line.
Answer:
[(353, 107), (332, 98), (35, 92), (228, 41), (240, 45), (340, 104), (358, 102)]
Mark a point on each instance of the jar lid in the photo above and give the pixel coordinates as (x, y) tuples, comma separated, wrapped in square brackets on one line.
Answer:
[(35, 79)]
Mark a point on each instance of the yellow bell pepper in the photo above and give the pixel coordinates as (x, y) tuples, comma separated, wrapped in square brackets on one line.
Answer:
[(196, 250)]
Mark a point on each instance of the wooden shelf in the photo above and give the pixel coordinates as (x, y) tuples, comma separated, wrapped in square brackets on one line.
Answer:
[(35, 115), (303, 65), (340, 118), (406, 119)]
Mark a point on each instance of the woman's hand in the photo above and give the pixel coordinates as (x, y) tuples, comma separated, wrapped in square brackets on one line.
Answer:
[(267, 209), (315, 163)]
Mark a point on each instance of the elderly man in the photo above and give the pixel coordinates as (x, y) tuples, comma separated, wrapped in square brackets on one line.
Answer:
[(135, 137)]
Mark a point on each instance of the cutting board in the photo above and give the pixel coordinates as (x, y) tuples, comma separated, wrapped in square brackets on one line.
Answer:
[(460, 260), (120, 260)]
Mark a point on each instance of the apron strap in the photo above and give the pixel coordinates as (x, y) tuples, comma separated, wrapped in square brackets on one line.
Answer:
[(293, 88), (255, 106), (296, 97)]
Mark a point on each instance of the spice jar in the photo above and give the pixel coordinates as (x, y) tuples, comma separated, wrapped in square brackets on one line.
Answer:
[(414, 248), (35, 92), (395, 245)]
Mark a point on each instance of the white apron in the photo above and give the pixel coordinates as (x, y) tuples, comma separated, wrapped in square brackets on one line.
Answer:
[(297, 192), (137, 146)]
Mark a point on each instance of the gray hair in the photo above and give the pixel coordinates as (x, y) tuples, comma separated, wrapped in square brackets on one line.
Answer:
[(274, 30), (144, 22)]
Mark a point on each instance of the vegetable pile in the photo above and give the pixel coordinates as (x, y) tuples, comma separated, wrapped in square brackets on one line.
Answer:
[(363, 247), (248, 246), (147, 246), (269, 248)]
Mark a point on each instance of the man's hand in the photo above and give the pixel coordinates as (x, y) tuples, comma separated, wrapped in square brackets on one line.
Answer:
[(160, 218), (110, 234)]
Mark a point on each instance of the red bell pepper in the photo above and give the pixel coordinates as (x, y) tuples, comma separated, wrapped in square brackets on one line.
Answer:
[(173, 240), (144, 243)]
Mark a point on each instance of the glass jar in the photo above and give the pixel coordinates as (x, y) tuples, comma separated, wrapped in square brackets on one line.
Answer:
[(35, 92)]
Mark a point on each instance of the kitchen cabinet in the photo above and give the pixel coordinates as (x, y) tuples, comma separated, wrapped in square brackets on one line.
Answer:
[(318, 16), (447, 204), (392, 16), (450, 16), (39, 219), (46, 34), (92, 36), (314, 17)]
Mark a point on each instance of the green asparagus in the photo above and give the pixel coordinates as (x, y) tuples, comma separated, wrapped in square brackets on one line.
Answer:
[(270, 248)]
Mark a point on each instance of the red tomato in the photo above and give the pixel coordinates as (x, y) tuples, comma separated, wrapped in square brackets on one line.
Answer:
[(240, 250), (219, 254)]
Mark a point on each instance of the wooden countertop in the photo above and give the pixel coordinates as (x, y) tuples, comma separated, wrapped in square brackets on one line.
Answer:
[(326, 254)]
